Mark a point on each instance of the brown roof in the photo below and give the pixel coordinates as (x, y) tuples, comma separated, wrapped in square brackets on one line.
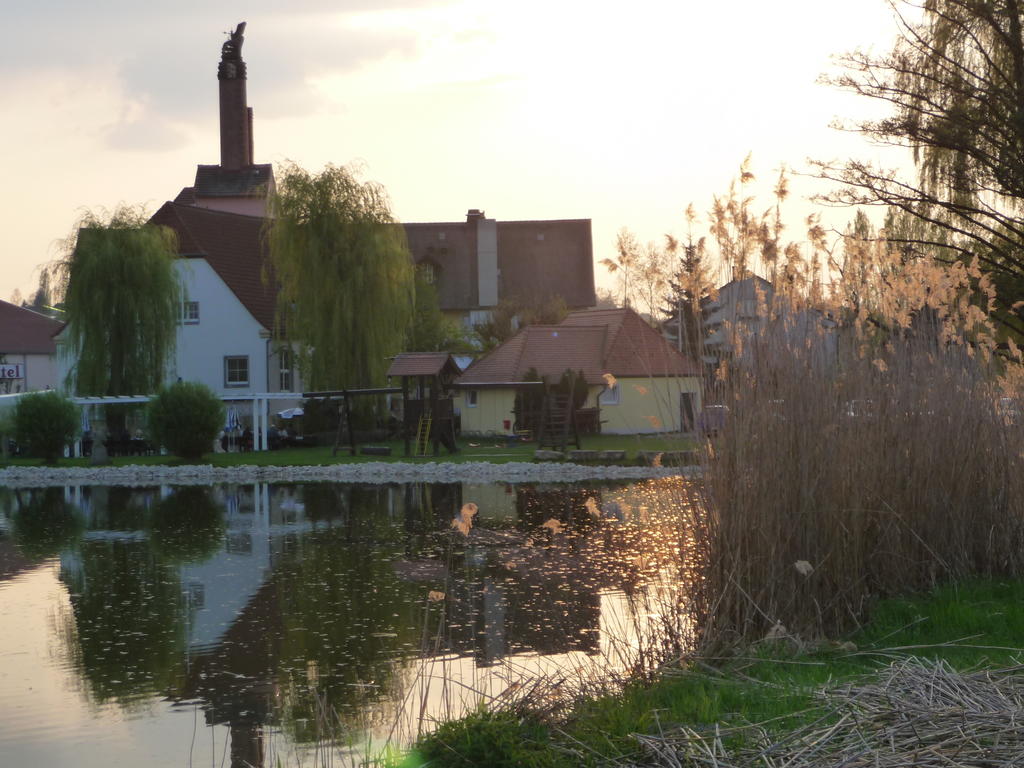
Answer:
[(549, 349), (634, 348), (615, 341), (25, 332), (423, 364), (536, 259), (233, 245)]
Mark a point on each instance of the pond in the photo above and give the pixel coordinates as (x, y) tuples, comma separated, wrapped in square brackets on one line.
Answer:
[(250, 624)]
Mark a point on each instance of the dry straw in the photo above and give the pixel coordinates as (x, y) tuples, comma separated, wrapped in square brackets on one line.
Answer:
[(913, 713)]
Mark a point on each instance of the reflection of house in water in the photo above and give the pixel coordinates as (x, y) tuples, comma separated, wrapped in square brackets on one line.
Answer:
[(530, 589), (220, 588), (322, 586)]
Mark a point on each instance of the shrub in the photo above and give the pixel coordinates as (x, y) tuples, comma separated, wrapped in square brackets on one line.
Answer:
[(488, 738), (185, 418), (44, 422)]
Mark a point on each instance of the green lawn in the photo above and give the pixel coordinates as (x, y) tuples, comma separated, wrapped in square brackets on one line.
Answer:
[(491, 449)]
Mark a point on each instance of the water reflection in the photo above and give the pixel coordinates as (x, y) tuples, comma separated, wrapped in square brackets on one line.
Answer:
[(298, 612)]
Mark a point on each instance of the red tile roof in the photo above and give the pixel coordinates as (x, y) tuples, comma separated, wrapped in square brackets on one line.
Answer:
[(24, 332), (232, 244), (615, 341), (549, 349), (634, 348)]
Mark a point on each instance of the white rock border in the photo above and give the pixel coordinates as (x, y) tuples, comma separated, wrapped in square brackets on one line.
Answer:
[(369, 472)]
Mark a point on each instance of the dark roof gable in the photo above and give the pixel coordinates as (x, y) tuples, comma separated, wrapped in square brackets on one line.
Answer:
[(233, 245), (249, 181), (26, 332)]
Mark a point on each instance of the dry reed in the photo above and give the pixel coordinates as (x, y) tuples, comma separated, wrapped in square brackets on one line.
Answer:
[(913, 713), (861, 458)]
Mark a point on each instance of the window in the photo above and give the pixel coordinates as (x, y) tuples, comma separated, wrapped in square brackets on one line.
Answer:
[(609, 396), (284, 367), (428, 272), (471, 398), (190, 312), (236, 371)]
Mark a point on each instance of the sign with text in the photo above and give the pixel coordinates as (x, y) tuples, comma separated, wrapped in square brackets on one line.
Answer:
[(12, 371)]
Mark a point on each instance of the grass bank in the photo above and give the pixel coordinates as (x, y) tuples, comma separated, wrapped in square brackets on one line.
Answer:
[(764, 694), (473, 449)]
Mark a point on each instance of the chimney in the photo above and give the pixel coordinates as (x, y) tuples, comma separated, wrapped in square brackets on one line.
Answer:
[(235, 116), (486, 257)]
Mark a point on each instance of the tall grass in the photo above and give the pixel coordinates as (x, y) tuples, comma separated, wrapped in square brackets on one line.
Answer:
[(855, 464)]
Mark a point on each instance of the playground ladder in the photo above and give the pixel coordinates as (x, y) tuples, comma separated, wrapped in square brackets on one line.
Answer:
[(423, 434)]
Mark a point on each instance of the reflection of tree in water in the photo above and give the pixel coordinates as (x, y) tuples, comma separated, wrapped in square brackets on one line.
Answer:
[(188, 526), (129, 618), (346, 616), (344, 602), (45, 524), (323, 633), (118, 508)]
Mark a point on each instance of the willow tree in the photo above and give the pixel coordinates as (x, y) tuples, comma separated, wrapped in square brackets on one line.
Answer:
[(954, 87), (121, 298), (344, 276)]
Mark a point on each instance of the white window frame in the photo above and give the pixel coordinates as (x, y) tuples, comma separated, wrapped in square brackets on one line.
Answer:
[(472, 398), (228, 382), (190, 312), (284, 370)]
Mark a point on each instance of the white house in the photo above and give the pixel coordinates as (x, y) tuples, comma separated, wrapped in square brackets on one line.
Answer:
[(227, 314)]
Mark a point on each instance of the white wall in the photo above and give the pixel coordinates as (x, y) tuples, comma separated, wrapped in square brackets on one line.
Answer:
[(40, 372), (225, 328)]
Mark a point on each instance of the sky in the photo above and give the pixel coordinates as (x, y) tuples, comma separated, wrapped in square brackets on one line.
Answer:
[(622, 113)]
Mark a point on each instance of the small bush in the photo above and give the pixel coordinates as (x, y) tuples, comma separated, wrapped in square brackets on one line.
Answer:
[(185, 418), (44, 423), (496, 739)]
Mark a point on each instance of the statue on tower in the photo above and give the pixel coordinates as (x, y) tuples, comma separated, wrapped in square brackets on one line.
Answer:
[(232, 48), (231, 64)]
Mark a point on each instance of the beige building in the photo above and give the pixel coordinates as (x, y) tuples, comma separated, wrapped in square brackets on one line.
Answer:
[(636, 381)]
